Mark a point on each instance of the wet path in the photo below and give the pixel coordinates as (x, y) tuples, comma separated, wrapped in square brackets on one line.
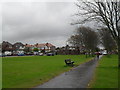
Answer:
[(79, 77)]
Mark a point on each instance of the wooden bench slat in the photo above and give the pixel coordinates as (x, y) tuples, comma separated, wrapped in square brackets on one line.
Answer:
[(69, 62)]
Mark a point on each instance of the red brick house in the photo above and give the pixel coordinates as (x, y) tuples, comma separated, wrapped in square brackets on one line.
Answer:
[(47, 47)]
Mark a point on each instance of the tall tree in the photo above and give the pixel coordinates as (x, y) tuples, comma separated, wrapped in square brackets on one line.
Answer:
[(107, 12), (107, 40), (86, 37), (89, 38), (75, 40)]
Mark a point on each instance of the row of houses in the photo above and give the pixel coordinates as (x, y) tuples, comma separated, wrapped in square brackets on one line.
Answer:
[(70, 50), (19, 47)]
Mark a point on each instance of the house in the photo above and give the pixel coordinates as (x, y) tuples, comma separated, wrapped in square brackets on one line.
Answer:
[(7, 48), (70, 50), (29, 48), (48, 47), (44, 47), (18, 48)]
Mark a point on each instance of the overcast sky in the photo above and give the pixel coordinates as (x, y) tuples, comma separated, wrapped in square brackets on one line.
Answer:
[(37, 22)]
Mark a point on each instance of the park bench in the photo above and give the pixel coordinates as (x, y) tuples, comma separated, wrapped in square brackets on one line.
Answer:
[(69, 62)]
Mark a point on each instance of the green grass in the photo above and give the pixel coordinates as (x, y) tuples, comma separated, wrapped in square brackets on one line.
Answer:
[(106, 75), (30, 71)]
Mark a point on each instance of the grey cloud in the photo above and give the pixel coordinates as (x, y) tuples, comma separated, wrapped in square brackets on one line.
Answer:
[(38, 22)]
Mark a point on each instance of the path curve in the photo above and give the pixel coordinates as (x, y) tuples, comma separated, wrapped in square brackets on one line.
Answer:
[(79, 77)]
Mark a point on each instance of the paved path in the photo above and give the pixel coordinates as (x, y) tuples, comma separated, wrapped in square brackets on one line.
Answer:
[(79, 77)]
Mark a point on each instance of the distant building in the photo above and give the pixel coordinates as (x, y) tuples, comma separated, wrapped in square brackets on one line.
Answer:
[(6, 46), (18, 48), (47, 47), (29, 48), (70, 50)]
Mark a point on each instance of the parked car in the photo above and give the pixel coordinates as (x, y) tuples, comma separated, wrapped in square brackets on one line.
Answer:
[(50, 54), (41, 54), (35, 53), (98, 53), (30, 53), (14, 54), (2, 55), (104, 52), (21, 54), (8, 53)]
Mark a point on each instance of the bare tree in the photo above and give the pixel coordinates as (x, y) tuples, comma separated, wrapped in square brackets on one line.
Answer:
[(107, 12), (86, 37), (107, 40), (75, 40), (89, 38)]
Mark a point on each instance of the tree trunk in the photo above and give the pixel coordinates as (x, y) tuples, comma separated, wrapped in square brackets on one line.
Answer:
[(92, 53), (89, 53), (119, 56), (119, 52), (86, 54)]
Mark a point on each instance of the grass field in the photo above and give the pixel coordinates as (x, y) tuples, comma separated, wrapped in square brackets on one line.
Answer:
[(29, 71), (106, 75)]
